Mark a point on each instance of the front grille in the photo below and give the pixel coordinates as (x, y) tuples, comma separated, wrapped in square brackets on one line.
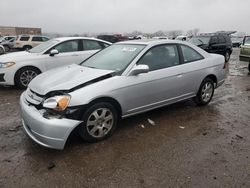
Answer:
[(33, 97)]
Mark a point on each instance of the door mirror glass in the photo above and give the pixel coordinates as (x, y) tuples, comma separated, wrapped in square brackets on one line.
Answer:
[(138, 69), (53, 52)]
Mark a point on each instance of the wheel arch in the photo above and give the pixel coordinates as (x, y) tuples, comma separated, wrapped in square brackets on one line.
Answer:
[(26, 66), (212, 77), (110, 100)]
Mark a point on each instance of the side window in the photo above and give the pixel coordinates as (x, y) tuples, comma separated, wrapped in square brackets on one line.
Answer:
[(221, 39), (214, 40), (37, 39), (24, 38), (105, 45), (45, 39), (91, 45), (160, 57), (189, 54), (247, 41), (68, 46)]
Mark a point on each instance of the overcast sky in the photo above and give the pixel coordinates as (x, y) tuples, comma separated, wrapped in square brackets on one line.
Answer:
[(81, 16)]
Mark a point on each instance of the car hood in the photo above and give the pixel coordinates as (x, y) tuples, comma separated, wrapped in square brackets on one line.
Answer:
[(17, 56), (66, 78)]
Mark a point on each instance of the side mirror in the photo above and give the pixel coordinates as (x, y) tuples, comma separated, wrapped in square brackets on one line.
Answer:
[(53, 52), (138, 69)]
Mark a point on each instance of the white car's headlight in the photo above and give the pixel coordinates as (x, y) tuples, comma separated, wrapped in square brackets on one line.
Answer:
[(6, 64), (58, 103)]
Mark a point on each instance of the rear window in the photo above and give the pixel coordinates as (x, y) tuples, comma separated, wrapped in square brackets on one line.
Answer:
[(26, 38), (39, 39), (221, 39)]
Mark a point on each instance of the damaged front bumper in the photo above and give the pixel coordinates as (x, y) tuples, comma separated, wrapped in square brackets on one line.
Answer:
[(49, 132)]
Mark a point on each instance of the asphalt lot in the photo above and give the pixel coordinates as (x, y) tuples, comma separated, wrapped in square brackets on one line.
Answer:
[(188, 146)]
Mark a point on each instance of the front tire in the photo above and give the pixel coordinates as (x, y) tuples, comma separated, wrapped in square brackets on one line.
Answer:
[(7, 48), (205, 93), (25, 75), (99, 122)]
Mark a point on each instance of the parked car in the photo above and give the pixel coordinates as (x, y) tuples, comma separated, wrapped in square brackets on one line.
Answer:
[(6, 38), (122, 80), (8, 45), (245, 51), (182, 38), (236, 42), (19, 68), (113, 38), (2, 50), (160, 37), (26, 42), (109, 38), (214, 43)]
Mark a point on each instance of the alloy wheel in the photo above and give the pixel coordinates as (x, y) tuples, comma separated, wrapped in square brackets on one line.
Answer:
[(207, 92), (100, 122), (27, 76)]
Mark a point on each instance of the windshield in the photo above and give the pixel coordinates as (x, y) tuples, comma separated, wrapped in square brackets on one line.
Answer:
[(116, 57), (200, 40), (247, 41), (43, 46)]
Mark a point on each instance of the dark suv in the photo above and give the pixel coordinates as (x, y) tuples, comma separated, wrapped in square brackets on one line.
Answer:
[(214, 43)]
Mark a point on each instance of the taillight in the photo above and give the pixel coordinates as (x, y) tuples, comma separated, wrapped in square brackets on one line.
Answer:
[(225, 65)]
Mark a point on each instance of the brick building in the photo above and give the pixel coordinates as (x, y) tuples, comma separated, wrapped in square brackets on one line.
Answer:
[(7, 30)]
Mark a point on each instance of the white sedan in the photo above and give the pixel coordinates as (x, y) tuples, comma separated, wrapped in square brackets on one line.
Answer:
[(20, 68)]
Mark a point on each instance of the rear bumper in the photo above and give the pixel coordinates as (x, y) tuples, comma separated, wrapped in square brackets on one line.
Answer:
[(51, 133)]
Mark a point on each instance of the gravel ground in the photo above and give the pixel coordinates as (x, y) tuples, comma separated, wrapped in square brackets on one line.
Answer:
[(188, 146)]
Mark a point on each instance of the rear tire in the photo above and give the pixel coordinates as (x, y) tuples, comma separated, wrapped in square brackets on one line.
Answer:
[(99, 122), (205, 93), (227, 56), (25, 75)]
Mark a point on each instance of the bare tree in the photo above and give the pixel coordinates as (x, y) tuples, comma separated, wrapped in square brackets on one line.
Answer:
[(193, 32), (173, 34)]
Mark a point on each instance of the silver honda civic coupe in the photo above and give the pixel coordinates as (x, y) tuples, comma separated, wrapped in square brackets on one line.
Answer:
[(122, 80)]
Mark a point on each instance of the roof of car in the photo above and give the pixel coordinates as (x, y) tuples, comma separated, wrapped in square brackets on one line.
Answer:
[(150, 41), (75, 38)]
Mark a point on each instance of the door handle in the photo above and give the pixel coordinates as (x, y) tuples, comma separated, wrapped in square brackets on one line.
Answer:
[(75, 55), (179, 75)]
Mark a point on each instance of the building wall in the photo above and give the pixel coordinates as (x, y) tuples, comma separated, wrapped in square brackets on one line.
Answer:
[(5, 30)]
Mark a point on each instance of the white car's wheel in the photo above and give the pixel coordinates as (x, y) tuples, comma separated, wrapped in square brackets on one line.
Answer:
[(25, 75), (99, 122)]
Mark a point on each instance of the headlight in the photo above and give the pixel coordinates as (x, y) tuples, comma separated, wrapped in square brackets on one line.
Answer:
[(7, 64), (58, 103)]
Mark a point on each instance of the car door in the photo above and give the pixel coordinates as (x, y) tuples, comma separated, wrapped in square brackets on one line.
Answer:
[(222, 45), (69, 53), (192, 70), (213, 45), (160, 86), (36, 40), (245, 49)]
